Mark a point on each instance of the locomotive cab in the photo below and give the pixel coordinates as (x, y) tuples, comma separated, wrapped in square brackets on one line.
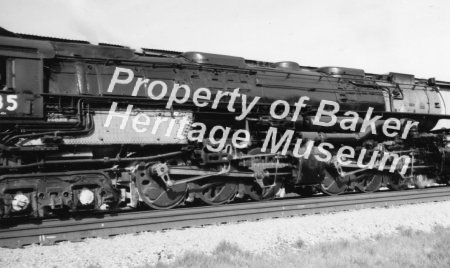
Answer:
[(22, 76), (21, 84)]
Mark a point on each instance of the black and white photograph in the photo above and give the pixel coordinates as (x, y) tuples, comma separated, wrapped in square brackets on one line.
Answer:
[(240, 133)]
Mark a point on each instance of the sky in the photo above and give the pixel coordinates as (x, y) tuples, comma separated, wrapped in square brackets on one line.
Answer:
[(378, 36)]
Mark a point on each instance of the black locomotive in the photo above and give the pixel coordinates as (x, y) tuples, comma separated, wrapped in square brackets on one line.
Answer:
[(60, 149)]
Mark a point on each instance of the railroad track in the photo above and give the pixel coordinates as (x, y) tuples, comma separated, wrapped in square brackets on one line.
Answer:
[(53, 230)]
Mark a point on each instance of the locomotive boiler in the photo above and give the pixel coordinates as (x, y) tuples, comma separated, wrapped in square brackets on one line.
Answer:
[(71, 140)]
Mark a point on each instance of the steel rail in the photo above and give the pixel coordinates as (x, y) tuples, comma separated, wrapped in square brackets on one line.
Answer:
[(51, 231)]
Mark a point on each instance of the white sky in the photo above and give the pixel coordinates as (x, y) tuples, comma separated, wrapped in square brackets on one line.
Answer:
[(378, 36)]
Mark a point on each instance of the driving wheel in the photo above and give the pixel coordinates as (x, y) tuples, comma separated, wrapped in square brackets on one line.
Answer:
[(154, 192), (332, 184), (369, 183), (218, 191)]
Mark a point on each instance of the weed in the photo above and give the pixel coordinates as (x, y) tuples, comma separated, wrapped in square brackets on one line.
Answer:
[(407, 248), (299, 243)]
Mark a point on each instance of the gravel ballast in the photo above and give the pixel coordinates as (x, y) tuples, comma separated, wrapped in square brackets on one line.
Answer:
[(271, 236)]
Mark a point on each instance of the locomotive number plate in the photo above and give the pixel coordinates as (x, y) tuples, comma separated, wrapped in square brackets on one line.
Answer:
[(8, 103)]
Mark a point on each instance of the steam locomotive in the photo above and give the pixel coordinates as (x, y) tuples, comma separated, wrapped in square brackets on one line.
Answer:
[(57, 155)]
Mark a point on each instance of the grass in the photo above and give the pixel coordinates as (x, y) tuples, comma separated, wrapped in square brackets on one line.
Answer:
[(408, 248)]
